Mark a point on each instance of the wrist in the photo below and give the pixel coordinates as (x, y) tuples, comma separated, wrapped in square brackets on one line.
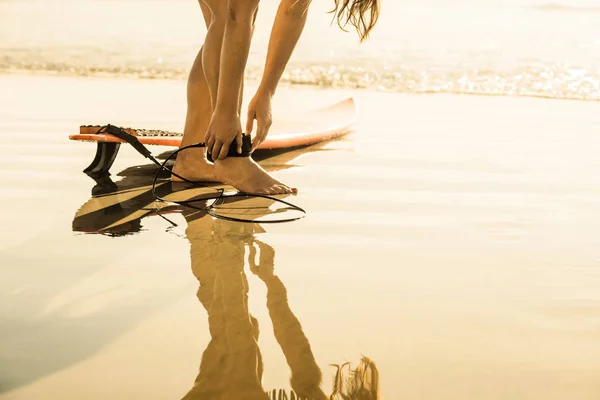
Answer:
[(266, 89)]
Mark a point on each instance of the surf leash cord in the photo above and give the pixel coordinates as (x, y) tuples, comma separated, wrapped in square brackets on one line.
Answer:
[(220, 198)]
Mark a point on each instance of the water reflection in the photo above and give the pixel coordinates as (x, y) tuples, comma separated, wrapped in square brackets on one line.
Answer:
[(120, 208), (231, 366), (222, 254)]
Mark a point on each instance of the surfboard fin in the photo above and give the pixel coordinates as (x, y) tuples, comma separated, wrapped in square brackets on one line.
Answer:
[(106, 153), (98, 170)]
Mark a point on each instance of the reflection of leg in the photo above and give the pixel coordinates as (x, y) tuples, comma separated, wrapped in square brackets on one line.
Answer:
[(211, 379), (259, 361), (255, 333), (231, 366), (306, 375), (245, 368)]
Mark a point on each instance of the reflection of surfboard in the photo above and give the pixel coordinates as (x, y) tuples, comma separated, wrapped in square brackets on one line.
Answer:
[(304, 129), (121, 212)]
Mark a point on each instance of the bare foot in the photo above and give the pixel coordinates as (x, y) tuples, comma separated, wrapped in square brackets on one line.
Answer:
[(193, 165), (248, 177)]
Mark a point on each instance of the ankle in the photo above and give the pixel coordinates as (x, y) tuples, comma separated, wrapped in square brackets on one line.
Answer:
[(231, 161), (193, 155)]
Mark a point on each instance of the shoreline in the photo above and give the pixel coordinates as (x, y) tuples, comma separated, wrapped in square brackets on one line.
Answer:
[(288, 85)]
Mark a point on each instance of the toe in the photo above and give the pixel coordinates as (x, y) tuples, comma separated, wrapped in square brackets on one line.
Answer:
[(289, 190), (286, 189), (276, 189), (283, 189)]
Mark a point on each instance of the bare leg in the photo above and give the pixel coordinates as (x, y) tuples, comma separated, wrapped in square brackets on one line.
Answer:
[(240, 172), (201, 96), (246, 175), (192, 163)]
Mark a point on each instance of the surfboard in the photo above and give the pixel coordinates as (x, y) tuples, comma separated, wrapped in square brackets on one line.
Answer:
[(304, 129)]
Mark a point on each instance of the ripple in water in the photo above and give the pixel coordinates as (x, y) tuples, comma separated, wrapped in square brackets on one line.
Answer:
[(551, 81)]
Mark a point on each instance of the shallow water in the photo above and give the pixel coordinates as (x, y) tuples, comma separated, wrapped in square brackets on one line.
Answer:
[(454, 243), (518, 47)]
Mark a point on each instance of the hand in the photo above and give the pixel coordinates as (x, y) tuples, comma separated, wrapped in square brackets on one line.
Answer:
[(224, 128), (265, 268), (259, 109)]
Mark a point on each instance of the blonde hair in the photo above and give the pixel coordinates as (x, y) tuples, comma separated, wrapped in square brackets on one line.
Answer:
[(361, 383), (362, 14)]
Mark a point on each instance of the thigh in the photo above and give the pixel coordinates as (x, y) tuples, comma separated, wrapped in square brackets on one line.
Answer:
[(213, 9), (217, 9), (206, 12)]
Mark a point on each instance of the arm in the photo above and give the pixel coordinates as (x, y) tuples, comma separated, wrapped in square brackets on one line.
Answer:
[(234, 53), (287, 28), (225, 124)]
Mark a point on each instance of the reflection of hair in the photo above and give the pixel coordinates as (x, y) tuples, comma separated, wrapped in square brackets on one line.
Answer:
[(361, 383), (362, 14)]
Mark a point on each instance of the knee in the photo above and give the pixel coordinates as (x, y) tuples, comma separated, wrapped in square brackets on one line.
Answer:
[(242, 10), (218, 10)]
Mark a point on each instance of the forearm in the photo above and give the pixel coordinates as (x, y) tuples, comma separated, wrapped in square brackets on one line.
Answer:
[(287, 28), (234, 56)]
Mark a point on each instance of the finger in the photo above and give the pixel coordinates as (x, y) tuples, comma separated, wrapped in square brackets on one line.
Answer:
[(210, 142), (250, 121), (207, 137), (260, 131), (239, 141), (224, 150), (216, 150), (266, 132)]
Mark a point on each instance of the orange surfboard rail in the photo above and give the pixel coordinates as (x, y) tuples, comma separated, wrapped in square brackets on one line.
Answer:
[(310, 128), (305, 129)]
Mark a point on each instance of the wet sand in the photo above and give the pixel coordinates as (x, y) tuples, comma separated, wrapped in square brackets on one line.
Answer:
[(453, 240)]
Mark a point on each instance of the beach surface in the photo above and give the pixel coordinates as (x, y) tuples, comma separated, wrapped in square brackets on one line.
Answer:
[(454, 240)]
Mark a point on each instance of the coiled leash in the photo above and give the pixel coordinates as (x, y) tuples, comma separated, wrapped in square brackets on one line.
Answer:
[(221, 197)]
